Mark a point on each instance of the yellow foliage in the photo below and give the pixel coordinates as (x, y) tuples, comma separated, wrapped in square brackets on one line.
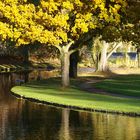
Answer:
[(54, 22)]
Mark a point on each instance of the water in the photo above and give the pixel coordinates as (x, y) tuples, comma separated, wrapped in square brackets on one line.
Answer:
[(132, 55), (23, 120)]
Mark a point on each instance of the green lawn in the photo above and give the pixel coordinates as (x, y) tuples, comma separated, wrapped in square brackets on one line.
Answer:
[(51, 91), (124, 85)]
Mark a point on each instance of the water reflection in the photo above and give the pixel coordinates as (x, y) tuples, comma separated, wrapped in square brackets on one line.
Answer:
[(23, 120), (116, 127), (65, 128)]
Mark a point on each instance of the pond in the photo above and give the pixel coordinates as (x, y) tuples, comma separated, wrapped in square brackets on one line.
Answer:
[(23, 120)]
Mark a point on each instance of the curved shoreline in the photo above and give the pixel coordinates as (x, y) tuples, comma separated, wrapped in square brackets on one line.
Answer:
[(131, 114)]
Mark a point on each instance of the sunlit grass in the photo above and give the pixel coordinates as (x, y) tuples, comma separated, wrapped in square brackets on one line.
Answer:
[(51, 91)]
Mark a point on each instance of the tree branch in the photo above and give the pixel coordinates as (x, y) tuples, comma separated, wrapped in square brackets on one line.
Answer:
[(114, 49), (93, 59), (58, 47), (69, 45), (74, 50)]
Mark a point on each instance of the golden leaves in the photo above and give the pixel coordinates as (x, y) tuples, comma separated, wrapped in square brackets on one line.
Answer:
[(54, 22), (68, 5)]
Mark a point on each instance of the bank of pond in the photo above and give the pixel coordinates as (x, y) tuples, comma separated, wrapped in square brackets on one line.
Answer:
[(49, 91), (22, 119)]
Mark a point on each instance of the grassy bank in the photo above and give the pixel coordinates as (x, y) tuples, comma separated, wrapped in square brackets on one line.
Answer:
[(123, 85), (50, 91)]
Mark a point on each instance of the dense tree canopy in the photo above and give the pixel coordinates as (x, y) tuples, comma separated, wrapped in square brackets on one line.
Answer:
[(56, 23), (131, 30)]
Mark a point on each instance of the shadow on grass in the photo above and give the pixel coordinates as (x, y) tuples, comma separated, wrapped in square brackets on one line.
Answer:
[(50, 90), (52, 87), (123, 85)]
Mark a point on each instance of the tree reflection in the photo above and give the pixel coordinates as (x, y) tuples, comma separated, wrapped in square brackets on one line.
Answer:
[(115, 127), (22, 120), (64, 133)]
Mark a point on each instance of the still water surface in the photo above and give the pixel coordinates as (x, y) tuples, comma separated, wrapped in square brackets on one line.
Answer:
[(23, 120)]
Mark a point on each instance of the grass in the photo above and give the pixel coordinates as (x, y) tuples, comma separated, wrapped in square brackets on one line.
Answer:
[(51, 91), (128, 85)]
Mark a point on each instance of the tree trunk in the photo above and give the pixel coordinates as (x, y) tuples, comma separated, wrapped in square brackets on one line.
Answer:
[(26, 77), (65, 62), (102, 64), (25, 52), (65, 53), (138, 57), (74, 58), (65, 128)]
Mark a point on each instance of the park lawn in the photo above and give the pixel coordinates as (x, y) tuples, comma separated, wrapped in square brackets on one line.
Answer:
[(128, 85), (51, 91)]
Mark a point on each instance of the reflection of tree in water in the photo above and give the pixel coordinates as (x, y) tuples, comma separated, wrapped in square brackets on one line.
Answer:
[(31, 122), (5, 85), (115, 127), (90, 126), (75, 126), (21, 120), (10, 108), (64, 133), (81, 126), (39, 122)]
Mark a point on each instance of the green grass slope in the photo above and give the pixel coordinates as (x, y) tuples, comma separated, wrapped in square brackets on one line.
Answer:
[(51, 91), (123, 85)]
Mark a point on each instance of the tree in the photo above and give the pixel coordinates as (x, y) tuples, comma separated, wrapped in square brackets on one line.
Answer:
[(75, 57), (101, 52), (103, 45), (56, 23), (131, 28)]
